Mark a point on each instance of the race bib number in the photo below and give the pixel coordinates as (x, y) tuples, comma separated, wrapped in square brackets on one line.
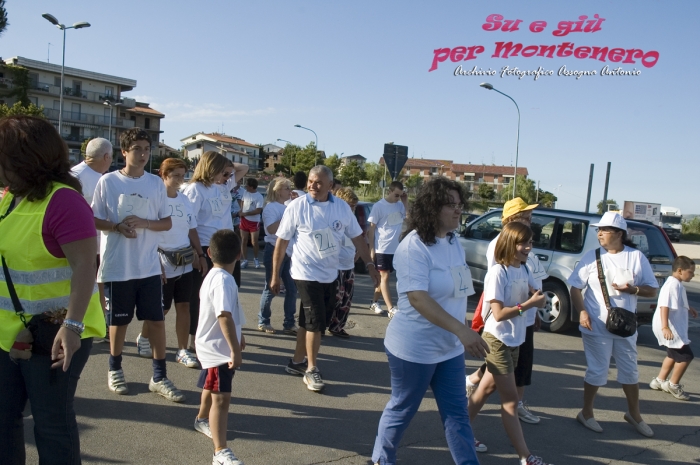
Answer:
[(325, 242), (132, 205), (394, 219), (179, 216), (462, 279), (217, 206)]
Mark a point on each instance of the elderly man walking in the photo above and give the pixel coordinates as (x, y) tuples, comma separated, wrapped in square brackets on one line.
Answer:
[(318, 222)]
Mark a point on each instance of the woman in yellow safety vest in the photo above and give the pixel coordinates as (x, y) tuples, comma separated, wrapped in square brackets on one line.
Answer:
[(48, 248)]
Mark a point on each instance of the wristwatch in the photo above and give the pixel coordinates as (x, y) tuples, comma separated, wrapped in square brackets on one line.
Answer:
[(75, 326)]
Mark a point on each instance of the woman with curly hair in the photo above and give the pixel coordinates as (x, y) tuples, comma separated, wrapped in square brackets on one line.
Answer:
[(425, 340)]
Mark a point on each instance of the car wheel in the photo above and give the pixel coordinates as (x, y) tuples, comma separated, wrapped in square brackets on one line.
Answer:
[(555, 314)]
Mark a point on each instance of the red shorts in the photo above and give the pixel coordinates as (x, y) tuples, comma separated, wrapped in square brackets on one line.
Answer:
[(217, 379), (249, 226)]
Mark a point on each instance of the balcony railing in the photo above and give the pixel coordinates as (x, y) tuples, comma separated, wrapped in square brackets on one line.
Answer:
[(87, 118), (71, 92)]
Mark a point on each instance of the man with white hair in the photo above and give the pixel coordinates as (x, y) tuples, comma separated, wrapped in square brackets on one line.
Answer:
[(98, 158), (318, 223)]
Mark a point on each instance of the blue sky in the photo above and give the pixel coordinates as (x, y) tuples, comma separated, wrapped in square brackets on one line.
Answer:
[(357, 73)]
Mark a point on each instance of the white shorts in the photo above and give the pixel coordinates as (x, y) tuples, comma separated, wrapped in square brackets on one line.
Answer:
[(598, 350)]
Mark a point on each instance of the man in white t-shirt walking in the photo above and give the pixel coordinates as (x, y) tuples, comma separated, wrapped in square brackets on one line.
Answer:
[(131, 209), (385, 222), (250, 220), (98, 158), (318, 223)]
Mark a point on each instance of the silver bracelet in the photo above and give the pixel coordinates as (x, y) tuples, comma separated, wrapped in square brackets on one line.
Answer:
[(76, 326)]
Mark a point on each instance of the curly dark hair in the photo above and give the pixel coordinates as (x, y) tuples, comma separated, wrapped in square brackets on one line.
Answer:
[(425, 212), (130, 136), (33, 156)]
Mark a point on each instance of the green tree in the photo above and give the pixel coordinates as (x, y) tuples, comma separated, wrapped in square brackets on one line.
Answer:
[(486, 191), (19, 88), (413, 183), (333, 162), (601, 210), (352, 173), (547, 199), (19, 109), (524, 188), (3, 17)]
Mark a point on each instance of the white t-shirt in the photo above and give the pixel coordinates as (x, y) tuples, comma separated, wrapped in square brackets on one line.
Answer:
[(116, 197), (210, 211), (442, 271), (88, 179), (271, 214), (673, 296), (534, 266), (346, 258), (511, 286), (177, 237), (252, 201), (388, 217), (628, 265), (217, 295), (299, 194), (317, 229)]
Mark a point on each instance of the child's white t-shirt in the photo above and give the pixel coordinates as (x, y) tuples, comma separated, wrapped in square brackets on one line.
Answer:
[(673, 296), (511, 286), (177, 237), (217, 295), (116, 197)]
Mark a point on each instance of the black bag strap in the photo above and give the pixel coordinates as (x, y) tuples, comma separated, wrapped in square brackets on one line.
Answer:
[(601, 278), (19, 311)]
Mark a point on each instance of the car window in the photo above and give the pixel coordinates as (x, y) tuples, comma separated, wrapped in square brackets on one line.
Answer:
[(542, 231), (651, 243), (570, 236), (486, 228)]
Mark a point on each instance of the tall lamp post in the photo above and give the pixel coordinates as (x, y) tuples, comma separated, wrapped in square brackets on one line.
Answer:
[(488, 86), (316, 154), (52, 19), (111, 106)]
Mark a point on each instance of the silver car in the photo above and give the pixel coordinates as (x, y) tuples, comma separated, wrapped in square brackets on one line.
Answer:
[(561, 237)]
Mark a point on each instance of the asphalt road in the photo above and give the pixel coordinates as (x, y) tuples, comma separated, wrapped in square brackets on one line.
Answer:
[(274, 419)]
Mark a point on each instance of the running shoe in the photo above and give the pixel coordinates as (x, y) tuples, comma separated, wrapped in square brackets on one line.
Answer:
[(202, 425), (225, 457), (534, 460), (116, 382), (313, 380), (244, 263), (376, 308), (393, 311), (291, 330), (471, 387), (167, 389), (266, 329), (656, 384), (297, 368), (143, 347), (341, 333), (676, 390), (526, 415), (186, 358), (257, 263), (480, 446)]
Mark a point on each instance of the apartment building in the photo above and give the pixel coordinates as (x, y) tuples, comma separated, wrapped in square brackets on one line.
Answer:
[(358, 158), (235, 149)]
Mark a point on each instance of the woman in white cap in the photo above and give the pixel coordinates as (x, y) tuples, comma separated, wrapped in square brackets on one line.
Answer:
[(627, 275)]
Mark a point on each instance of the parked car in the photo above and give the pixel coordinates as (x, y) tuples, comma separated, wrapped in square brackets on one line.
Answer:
[(561, 238), (362, 212)]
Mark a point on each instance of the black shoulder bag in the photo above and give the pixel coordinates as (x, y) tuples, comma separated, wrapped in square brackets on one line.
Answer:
[(620, 322)]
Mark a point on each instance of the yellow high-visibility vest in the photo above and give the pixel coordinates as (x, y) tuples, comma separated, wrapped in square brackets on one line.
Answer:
[(42, 281)]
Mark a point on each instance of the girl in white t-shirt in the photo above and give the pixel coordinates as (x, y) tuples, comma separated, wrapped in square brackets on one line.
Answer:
[(670, 326), (507, 289)]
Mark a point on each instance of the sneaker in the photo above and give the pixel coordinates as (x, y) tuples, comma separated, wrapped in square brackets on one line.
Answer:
[(533, 460), (656, 384), (526, 415), (471, 387), (341, 333), (480, 446), (392, 312), (313, 380), (257, 263), (244, 263), (116, 382), (225, 457), (376, 308), (143, 347), (297, 368), (202, 425), (186, 358), (676, 390), (167, 389), (266, 329), (291, 330)]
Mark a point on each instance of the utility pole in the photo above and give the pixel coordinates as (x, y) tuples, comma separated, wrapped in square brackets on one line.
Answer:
[(605, 193), (590, 186)]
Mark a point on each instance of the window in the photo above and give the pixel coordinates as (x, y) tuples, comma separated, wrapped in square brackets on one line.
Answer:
[(468, 178), (75, 110), (495, 180), (109, 91), (422, 173), (651, 243), (56, 104), (542, 231), (147, 123), (77, 88), (199, 146), (122, 114), (34, 100), (570, 235), (33, 80), (487, 228), (57, 81)]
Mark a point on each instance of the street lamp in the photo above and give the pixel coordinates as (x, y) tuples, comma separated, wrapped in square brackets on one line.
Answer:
[(488, 86), (291, 160), (316, 155), (52, 19), (111, 105)]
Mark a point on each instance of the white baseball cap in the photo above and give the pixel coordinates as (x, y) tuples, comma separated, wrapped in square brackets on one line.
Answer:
[(613, 220)]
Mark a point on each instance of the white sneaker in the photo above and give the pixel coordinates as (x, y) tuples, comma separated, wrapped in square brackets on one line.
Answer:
[(116, 382), (225, 457), (143, 347), (471, 387), (526, 415), (480, 446), (202, 426), (244, 263), (376, 308), (676, 390), (257, 263), (656, 384), (393, 311), (167, 389), (186, 358), (313, 380)]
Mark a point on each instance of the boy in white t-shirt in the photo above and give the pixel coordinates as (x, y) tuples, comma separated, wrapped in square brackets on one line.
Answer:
[(219, 342), (131, 209), (670, 326)]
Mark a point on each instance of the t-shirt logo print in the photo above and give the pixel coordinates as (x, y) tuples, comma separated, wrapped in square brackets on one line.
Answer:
[(337, 225)]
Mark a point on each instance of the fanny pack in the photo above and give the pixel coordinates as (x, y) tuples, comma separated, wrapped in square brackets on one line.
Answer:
[(620, 321), (179, 257)]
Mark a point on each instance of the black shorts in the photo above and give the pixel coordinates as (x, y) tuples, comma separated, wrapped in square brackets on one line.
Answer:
[(682, 355), (217, 379), (384, 262), (178, 288), (523, 370), (146, 294), (317, 303)]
